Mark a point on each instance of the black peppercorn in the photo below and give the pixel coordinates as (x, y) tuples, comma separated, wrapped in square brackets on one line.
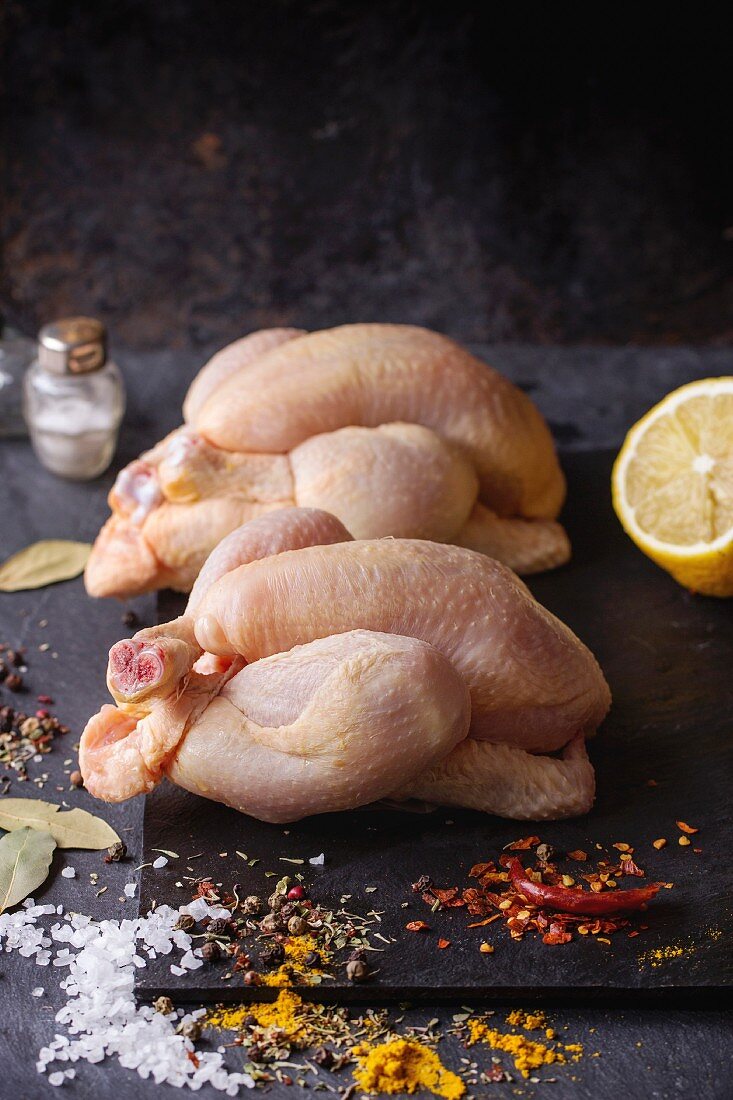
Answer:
[(273, 955), (14, 682), (163, 1005), (211, 951), (218, 927), (252, 905), (357, 970), (297, 926), (271, 923), (276, 901), (357, 955), (323, 1057), (116, 852), (312, 959), (190, 1030), (185, 922), (130, 619), (251, 977)]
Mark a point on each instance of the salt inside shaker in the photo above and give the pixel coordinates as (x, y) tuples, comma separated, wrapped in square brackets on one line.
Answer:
[(74, 399)]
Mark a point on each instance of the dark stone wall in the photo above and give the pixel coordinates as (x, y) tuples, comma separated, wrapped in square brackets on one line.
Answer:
[(191, 170)]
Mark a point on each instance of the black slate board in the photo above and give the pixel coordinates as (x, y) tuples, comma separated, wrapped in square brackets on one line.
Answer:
[(667, 656)]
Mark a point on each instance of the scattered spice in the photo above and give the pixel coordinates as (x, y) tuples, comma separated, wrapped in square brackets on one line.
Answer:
[(686, 828), (404, 1066), (528, 1054), (24, 737), (659, 843), (683, 840), (545, 899)]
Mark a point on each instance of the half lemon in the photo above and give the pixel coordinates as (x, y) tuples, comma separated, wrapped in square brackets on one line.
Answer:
[(673, 485)]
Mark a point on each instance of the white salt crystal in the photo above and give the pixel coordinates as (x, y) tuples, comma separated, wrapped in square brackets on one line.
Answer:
[(161, 861), (317, 861), (68, 872), (130, 889), (178, 971), (37, 992), (100, 1017)]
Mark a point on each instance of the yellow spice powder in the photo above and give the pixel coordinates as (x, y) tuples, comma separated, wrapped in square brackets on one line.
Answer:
[(528, 1020), (527, 1054), (404, 1066), (286, 1014)]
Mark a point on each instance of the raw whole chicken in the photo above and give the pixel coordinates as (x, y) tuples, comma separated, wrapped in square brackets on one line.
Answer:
[(312, 672), (393, 429)]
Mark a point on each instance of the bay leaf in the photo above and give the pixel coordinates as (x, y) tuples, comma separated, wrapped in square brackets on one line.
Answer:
[(43, 563), (69, 828), (25, 857)]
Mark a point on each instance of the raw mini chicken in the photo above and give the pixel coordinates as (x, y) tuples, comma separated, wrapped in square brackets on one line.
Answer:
[(393, 429), (312, 672)]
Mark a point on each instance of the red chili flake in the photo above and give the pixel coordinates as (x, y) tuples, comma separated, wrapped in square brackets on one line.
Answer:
[(689, 829), (478, 869), (193, 1058), (417, 926), (552, 938), (496, 1074), (483, 923), (578, 855), (442, 944), (449, 898), (628, 867), (523, 844)]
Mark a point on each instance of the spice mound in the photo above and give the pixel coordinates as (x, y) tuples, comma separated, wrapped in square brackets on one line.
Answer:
[(404, 1066)]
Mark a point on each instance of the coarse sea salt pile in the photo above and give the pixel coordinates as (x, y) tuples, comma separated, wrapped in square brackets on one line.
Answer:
[(101, 1018)]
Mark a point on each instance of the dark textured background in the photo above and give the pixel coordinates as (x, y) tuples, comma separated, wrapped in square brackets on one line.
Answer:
[(190, 170)]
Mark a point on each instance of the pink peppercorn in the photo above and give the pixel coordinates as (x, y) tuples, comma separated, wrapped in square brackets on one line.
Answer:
[(45, 699), (42, 713), (296, 893)]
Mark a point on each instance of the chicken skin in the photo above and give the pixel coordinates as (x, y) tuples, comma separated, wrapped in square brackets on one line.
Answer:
[(393, 429), (312, 672)]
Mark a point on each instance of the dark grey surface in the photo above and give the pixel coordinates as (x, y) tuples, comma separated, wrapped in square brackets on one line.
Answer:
[(681, 1054), (186, 169), (668, 658)]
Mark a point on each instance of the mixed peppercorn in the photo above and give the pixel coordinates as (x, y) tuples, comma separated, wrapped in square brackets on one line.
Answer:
[(25, 734)]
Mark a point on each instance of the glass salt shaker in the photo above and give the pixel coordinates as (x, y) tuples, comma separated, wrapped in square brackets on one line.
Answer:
[(74, 399), (17, 352)]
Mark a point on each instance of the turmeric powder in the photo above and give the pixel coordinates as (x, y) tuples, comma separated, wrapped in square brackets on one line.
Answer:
[(285, 1014), (528, 1054), (404, 1066), (528, 1020)]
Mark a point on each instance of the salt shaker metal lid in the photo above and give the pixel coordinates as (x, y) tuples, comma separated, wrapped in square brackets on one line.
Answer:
[(73, 345)]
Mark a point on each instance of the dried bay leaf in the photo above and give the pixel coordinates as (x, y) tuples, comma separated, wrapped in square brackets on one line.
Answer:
[(43, 563), (25, 857), (69, 828)]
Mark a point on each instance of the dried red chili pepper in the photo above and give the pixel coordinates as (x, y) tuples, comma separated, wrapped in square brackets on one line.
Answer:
[(566, 900)]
